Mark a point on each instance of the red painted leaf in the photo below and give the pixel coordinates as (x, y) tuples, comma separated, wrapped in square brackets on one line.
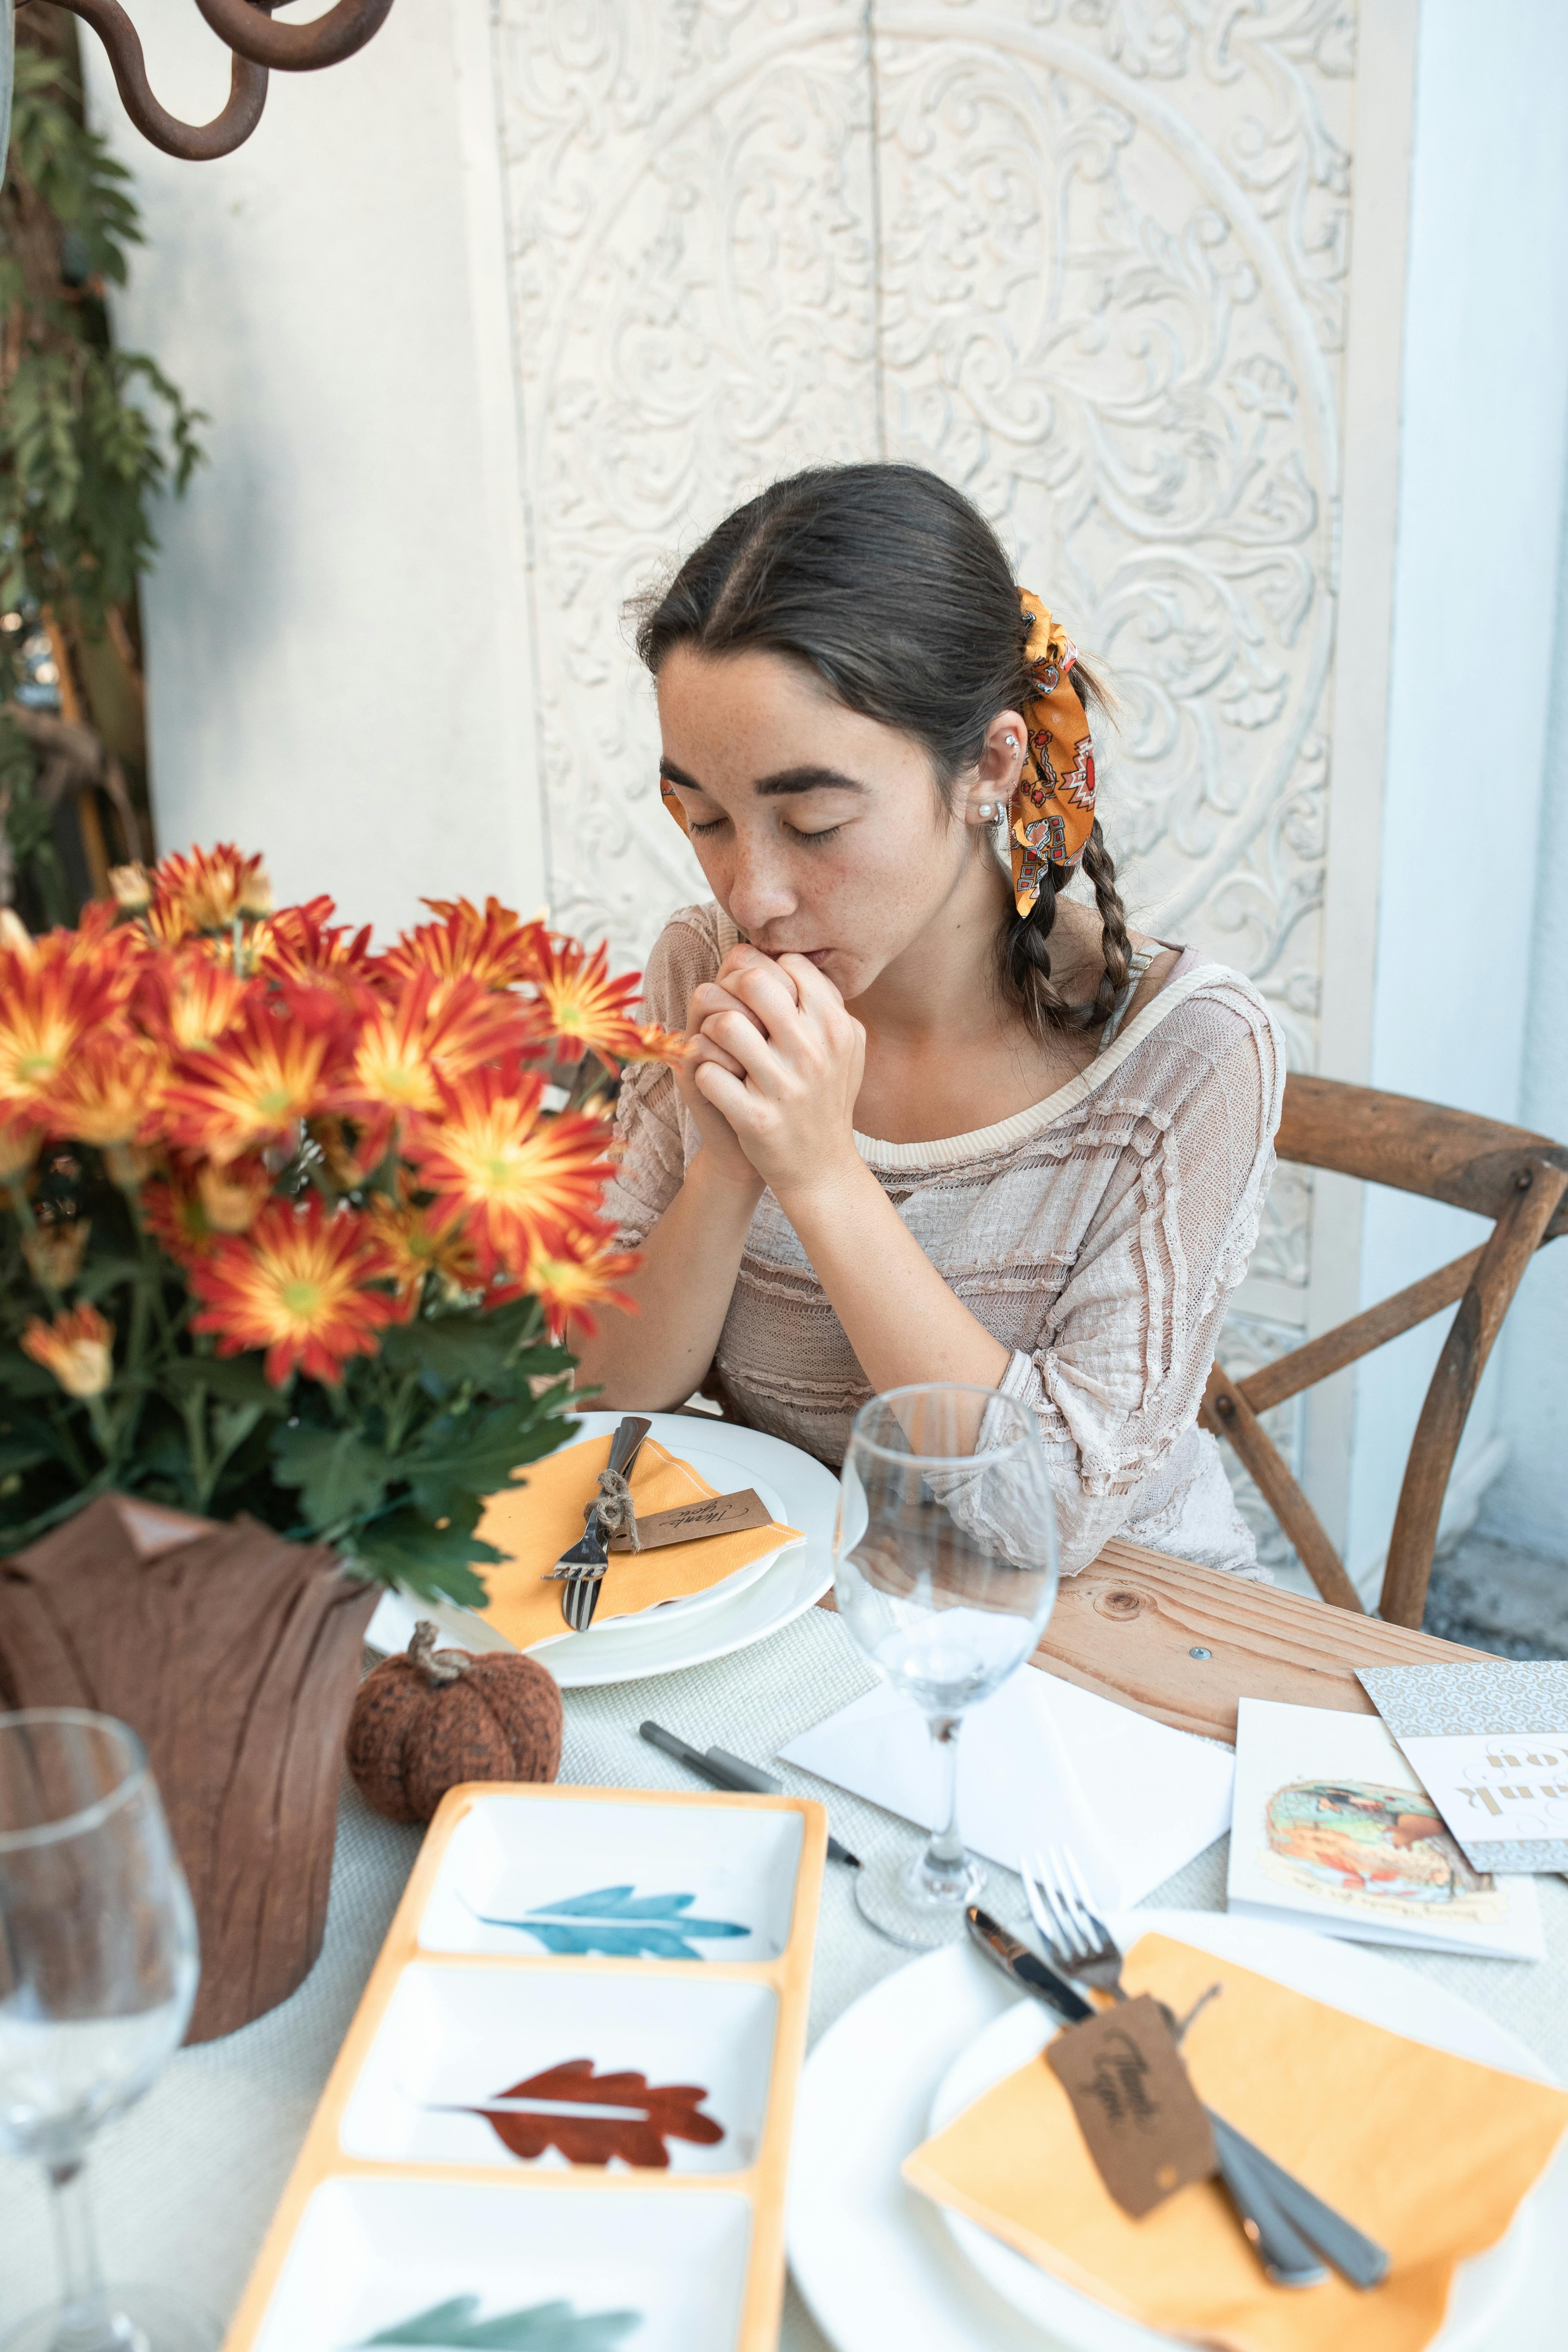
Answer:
[(663, 2112)]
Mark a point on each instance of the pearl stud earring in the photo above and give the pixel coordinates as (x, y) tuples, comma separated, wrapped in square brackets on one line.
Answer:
[(1012, 742), (988, 812)]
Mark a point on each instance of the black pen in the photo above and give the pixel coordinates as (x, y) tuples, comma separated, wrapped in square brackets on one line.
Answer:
[(723, 1770)]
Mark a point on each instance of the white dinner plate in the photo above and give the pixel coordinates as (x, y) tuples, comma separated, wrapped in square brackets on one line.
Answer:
[(755, 1602), (880, 2264)]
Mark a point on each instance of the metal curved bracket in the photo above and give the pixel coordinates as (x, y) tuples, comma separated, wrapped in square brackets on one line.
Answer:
[(294, 49), (193, 143), (245, 28)]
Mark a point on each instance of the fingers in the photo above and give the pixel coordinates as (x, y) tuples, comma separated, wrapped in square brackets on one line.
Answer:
[(742, 1039), (814, 991), (745, 958), (767, 991), (705, 1049), (712, 998)]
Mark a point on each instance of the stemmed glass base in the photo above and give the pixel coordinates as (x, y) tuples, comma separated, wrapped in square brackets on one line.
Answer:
[(143, 2319), (920, 1901)]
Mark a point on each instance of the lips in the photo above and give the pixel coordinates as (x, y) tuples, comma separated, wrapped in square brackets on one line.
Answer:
[(817, 956)]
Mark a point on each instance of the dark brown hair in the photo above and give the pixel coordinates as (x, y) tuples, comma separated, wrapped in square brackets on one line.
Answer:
[(887, 583)]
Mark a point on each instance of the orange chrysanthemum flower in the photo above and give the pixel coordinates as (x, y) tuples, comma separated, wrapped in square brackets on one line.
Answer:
[(77, 1347), (173, 1213), (110, 1090), (54, 993), (304, 943), (405, 1048), (281, 1060), (417, 1245), (570, 1287), (520, 1183), (206, 892), (188, 1000), (297, 1285), (497, 947), (582, 1008)]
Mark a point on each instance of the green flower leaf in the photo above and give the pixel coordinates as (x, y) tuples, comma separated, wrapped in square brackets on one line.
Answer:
[(432, 1563), (339, 1476)]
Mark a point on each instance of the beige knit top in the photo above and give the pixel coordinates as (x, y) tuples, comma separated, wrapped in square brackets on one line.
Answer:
[(1097, 1235)]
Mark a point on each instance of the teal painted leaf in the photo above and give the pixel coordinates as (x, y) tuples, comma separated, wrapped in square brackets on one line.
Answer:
[(614, 1921), (542, 2328)]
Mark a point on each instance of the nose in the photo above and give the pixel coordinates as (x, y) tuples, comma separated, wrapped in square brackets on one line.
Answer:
[(759, 891)]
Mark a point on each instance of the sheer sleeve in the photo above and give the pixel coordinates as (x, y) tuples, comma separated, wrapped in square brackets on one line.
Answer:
[(652, 1142), (1120, 1365)]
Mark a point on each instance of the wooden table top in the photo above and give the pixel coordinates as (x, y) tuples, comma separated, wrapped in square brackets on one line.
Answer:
[(1184, 1643)]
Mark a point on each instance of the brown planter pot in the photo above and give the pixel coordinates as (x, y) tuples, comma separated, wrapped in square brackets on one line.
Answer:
[(235, 1655)]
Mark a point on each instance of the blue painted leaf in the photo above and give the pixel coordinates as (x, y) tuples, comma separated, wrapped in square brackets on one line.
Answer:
[(614, 1921), (544, 2327)]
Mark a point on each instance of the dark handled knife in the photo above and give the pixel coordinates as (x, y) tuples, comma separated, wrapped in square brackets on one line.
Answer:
[(1277, 2212), (723, 1770)]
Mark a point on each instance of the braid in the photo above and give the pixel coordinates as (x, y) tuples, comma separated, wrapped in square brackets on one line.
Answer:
[(1116, 947), (1026, 960)]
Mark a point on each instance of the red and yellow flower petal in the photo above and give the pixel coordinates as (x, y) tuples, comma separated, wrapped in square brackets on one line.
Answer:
[(571, 1285), (173, 1213), (78, 1348), (582, 1008), (188, 1000), (55, 993), (497, 947), (520, 1182), (281, 1061), (297, 1285), (110, 1090), (417, 1243), (428, 1032), (206, 891)]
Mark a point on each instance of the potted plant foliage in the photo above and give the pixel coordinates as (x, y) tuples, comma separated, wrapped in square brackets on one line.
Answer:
[(292, 1233)]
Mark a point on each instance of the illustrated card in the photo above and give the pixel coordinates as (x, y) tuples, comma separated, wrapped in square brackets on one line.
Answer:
[(1333, 1829), (1489, 1743)]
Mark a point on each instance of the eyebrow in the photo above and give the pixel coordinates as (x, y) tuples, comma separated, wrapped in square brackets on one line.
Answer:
[(786, 781)]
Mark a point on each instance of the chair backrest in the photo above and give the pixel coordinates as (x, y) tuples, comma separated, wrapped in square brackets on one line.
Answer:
[(1517, 1179)]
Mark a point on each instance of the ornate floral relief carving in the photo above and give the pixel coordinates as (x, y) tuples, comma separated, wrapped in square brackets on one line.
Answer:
[(1107, 300), (692, 261)]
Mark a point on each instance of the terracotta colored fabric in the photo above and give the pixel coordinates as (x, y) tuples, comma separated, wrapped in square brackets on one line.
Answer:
[(1052, 813), (534, 1524), (1431, 2154)]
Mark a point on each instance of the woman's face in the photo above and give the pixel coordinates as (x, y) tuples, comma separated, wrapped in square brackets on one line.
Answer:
[(820, 832)]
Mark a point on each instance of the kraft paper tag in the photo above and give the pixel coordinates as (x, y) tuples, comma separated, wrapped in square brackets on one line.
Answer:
[(1141, 2120), (707, 1515)]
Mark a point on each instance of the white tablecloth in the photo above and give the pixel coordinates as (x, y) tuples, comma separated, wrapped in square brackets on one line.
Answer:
[(185, 2182)]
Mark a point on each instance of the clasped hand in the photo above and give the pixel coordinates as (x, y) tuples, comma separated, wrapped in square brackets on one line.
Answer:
[(772, 1070)]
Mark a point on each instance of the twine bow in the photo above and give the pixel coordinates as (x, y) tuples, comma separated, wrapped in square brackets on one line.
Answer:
[(614, 1509)]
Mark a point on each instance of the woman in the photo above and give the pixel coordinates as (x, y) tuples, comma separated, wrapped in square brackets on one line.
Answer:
[(936, 1120)]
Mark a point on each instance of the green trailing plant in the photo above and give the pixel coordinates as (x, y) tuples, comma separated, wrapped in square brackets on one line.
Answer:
[(90, 437)]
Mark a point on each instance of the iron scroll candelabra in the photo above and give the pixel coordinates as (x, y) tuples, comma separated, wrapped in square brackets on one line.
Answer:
[(259, 47)]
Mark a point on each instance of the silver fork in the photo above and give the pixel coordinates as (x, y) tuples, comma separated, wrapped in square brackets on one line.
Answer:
[(1280, 2214), (581, 1571)]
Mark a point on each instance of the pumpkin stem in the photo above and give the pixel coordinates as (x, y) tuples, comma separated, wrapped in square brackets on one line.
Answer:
[(444, 1668)]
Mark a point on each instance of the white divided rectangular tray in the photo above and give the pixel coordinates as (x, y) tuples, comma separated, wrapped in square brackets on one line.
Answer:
[(561, 2114)]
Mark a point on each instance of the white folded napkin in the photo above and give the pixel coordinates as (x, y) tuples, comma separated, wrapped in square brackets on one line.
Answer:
[(1041, 1763)]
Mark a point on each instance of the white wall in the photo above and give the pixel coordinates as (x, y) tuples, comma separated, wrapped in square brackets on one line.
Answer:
[(1531, 1505), (1481, 481), (338, 663)]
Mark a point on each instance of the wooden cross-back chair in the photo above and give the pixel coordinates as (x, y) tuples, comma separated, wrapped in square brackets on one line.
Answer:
[(1506, 1174)]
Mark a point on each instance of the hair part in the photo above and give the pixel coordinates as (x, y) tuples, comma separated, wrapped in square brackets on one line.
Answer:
[(887, 584)]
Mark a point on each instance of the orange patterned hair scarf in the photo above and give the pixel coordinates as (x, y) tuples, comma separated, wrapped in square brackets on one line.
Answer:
[(1052, 815)]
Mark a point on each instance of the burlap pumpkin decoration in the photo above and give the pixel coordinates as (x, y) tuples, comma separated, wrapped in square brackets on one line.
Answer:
[(425, 1722)]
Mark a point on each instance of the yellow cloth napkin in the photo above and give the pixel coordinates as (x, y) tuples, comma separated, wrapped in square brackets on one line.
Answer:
[(1431, 2154), (534, 1523)]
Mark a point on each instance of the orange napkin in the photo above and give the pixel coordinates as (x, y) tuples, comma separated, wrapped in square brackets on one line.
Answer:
[(534, 1523), (1430, 2153)]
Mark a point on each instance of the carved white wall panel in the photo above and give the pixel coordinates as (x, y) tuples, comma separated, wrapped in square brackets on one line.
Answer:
[(691, 213), (1087, 258)]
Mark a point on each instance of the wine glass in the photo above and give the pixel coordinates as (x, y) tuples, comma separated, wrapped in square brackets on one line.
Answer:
[(98, 1972), (946, 1553)]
